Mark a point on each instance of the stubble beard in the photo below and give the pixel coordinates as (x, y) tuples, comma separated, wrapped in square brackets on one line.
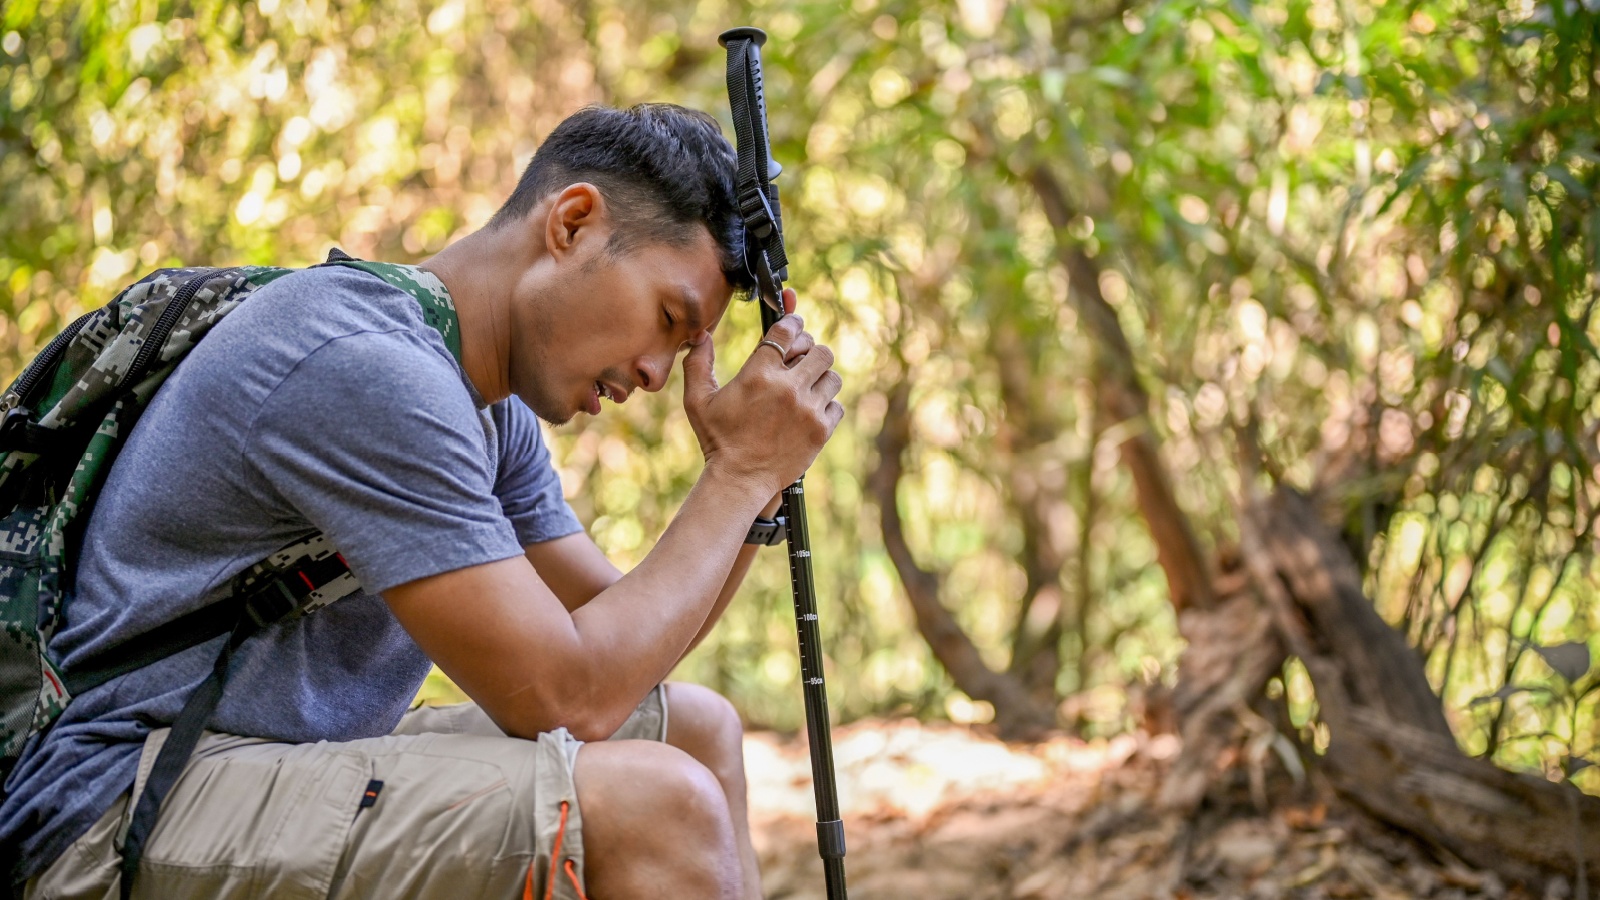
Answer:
[(535, 390)]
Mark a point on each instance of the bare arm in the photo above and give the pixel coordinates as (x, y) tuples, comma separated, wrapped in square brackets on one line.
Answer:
[(505, 636), (576, 571), (574, 568), (741, 567), (500, 633)]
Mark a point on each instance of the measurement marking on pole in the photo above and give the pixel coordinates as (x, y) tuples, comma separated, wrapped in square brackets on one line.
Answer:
[(799, 553), (814, 681), (809, 617)]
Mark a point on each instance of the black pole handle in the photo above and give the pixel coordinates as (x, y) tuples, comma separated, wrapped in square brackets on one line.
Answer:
[(768, 263), (755, 192)]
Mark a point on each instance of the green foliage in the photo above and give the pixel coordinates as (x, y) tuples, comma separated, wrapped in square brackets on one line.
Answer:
[(1366, 230)]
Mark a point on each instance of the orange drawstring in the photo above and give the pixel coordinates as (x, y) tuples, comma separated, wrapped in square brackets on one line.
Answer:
[(555, 852), (572, 873), (555, 860)]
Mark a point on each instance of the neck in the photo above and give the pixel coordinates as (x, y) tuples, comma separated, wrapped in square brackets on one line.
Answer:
[(479, 271)]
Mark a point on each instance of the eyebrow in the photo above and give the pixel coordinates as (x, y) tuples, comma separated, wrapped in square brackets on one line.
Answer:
[(691, 308)]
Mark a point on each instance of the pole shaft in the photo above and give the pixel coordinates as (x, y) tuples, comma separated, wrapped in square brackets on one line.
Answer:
[(819, 736), (768, 264)]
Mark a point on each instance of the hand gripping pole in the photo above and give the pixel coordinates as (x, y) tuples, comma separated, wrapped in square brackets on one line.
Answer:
[(767, 261)]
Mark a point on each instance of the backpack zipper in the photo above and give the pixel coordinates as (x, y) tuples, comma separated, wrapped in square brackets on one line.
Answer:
[(35, 373), (164, 325)]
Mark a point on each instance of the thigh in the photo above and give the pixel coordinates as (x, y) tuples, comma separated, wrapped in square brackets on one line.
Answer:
[(424, 816)]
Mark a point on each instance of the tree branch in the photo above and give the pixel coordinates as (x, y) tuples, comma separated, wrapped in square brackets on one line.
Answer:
[(1017, 714), (1123, 399)]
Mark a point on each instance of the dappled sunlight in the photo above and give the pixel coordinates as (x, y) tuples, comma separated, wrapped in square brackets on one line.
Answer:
[(938, 812), (1105, 280), (908, 769)]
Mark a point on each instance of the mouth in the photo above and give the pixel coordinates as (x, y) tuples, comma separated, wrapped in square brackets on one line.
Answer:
[(601, 389)]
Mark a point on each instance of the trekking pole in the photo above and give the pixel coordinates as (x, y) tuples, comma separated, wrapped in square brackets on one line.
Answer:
[(764, 253)]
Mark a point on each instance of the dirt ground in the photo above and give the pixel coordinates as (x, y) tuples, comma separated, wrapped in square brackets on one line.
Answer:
[(934, 812)]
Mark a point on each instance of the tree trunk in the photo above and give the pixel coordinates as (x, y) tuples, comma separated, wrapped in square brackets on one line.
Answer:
[(1390, 750), (1122, 399), (1233, 650), (1018, 713)]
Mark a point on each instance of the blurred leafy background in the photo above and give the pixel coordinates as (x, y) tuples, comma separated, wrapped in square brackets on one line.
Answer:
[(1363, 232)]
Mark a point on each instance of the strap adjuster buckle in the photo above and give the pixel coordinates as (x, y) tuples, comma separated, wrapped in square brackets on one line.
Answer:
[(271, 604), (768, 532), (758, 217)]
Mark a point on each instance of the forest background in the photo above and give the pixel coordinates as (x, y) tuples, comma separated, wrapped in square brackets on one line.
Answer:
[(1257, 332)]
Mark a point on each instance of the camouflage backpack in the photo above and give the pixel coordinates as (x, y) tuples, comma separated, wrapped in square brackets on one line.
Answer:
[(65, 418)]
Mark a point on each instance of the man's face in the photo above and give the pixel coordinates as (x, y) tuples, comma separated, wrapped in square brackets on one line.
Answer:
[(614, 323)]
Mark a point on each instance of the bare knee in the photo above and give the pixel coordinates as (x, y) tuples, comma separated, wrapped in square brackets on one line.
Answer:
[(702, 723), (628, 791), (638, 781)]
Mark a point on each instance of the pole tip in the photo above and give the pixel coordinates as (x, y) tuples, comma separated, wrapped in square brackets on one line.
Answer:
[(744, 31)]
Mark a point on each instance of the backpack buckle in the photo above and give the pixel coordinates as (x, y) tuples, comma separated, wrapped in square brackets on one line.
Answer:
[(17, 431), (273, 603)]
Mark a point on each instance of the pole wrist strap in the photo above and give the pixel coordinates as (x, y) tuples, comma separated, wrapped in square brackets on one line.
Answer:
[(768, 532)]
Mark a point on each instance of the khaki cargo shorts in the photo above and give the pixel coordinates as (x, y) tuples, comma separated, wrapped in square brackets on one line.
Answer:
[(447, 806)]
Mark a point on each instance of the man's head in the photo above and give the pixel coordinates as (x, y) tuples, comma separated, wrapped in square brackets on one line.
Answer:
[(662, 168), (641, 247)]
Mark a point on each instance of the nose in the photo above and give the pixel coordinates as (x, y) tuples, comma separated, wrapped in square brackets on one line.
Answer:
[(652, 372)]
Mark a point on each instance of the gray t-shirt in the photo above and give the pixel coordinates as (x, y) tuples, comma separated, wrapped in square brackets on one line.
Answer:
[(325, 402)]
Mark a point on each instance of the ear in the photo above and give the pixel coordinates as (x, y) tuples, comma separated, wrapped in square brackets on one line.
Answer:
[(577, 220)]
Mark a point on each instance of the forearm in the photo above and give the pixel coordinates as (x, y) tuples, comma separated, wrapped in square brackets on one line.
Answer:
[(633, 632), (504, 637), (741, 567)]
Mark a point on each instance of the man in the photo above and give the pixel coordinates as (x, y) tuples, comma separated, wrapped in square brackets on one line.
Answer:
[(326, 403)]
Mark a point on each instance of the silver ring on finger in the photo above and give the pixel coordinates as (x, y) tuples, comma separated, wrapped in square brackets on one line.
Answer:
[(782, 353)]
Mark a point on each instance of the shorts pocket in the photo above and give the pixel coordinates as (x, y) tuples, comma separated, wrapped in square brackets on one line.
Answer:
[(266, 820)]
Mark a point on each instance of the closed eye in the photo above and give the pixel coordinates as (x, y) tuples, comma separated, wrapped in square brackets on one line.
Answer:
[(670, 321)]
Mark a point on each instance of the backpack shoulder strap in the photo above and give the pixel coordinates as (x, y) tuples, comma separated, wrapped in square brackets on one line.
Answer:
[(438, 310)]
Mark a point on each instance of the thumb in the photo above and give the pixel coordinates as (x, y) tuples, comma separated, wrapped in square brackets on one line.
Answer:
[(699, 375)]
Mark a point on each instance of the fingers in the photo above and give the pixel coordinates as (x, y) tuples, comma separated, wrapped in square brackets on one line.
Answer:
[(786, 330), (788, 301), (835, 414), (788, 379), (699, 375), (828, 385), (816, 362), (789, 334), (812, 362), (801, 346)]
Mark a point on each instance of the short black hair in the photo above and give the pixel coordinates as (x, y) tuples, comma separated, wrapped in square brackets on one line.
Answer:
[(661, 167)]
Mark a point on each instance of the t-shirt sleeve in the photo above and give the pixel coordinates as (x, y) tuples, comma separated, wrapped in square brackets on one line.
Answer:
[(375, 441), (528, 487)]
